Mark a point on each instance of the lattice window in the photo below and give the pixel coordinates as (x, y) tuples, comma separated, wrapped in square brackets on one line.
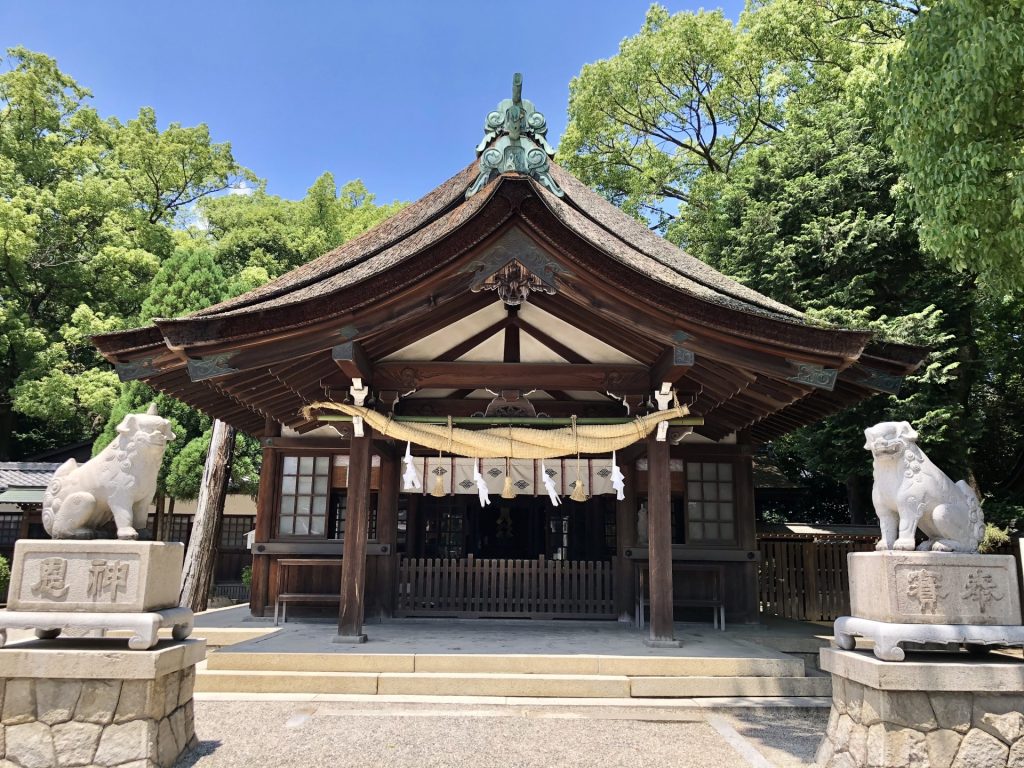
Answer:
[(233, 530), (179, 528), (558, 534), (305, 490), (10, 525), (339, 507), (710, 503)]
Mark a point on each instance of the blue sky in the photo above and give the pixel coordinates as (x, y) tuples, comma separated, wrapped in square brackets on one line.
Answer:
[(394, 93)]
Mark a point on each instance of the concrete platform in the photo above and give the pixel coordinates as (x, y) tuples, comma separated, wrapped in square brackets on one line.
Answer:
[(506, 659)]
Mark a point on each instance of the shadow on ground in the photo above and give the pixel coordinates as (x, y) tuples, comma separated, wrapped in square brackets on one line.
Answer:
[(785, 736), (193, 756)]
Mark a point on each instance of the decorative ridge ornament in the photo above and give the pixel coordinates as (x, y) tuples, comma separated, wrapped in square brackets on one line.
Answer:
[(515, 140)]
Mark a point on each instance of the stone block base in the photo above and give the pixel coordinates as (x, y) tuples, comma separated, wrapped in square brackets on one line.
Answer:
[(934, 588), (66, 703), (928, 714), (95, 576)]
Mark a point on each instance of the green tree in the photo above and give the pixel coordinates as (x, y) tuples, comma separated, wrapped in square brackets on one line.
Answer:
[(261, 236), (810, 210), (85, 209), (955, 99), (688, 95)]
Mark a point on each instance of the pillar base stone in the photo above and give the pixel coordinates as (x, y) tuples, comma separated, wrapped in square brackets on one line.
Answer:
[(352, 639), (652, 643)]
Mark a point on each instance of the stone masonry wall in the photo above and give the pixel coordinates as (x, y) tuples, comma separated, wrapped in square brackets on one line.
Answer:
[(890, 729), (66, 722)]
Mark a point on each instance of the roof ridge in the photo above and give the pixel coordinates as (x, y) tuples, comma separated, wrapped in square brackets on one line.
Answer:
[(421, 213), (702, 273)]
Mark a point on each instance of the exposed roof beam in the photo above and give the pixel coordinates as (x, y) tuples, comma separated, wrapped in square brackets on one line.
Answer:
[(353, 362), (524, 376)]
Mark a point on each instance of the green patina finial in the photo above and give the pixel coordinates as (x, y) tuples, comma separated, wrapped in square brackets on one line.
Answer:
[(515, 141)]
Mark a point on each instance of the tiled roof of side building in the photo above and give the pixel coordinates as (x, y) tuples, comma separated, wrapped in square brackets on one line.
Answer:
[(26, 473)]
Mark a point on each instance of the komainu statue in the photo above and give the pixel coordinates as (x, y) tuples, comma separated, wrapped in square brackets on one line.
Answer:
[(117, 484), (910, 493)]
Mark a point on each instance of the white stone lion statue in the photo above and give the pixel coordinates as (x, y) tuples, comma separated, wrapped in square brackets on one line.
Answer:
[(910, 493), (117, 484)]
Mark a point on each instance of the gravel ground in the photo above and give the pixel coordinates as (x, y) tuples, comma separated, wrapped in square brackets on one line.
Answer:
[(247, 734)]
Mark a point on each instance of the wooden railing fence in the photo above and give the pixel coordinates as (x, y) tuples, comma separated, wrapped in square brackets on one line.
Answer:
[(538, 588), (806, 580)]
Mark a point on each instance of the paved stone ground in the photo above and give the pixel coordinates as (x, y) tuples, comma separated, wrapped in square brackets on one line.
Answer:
[(312, 734), (491, 636)]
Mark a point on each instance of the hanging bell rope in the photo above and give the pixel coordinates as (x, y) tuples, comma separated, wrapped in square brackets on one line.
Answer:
[(525, 442)]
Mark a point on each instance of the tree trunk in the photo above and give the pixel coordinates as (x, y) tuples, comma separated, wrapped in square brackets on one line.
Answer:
[(858, 496), (197, 575), (6, 430), (158, 518)]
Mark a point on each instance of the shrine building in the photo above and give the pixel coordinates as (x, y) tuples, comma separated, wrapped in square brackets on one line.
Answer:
[(510, 399)]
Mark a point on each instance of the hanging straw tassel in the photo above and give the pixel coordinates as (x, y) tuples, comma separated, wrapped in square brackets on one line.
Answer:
[(579, 491), (438, 491), (507, 491)]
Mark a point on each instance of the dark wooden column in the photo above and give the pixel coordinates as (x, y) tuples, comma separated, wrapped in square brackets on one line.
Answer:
[(746, 527), (357, 522), (266, 497), (625, 536), (659, 528), (387, 532)]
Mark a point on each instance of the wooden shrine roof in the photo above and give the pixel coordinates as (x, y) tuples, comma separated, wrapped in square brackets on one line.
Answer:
[(741, 359)]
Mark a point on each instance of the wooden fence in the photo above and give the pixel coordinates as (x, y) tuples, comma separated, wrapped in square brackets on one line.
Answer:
[(806, 580), (511, 588)]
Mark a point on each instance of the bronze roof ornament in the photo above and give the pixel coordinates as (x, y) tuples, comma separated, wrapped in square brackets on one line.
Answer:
[(515, 141)]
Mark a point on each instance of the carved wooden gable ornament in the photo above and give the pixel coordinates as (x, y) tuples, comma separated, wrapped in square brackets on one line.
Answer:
[(514, 267)]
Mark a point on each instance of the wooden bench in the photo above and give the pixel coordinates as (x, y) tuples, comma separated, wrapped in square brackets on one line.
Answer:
[(284, 598), (715, 599)]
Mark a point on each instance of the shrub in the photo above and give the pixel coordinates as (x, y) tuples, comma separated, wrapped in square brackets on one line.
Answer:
[(247, 575), (5, 575), (995, 538)]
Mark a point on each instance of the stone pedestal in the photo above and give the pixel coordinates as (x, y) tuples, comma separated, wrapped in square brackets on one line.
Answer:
[(97, 584), (934, 588), (91, 702), (929, 711), (96, 575), (902, 598)]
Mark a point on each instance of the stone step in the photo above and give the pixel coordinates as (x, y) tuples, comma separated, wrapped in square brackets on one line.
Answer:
[(215, 637), (503, 684), (692, 687), (522, 664)]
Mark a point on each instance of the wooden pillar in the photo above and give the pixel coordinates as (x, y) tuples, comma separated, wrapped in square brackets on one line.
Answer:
[(659, 527), (746, 527), (266, 497), (357, 522), (387, 533), (625, 537)]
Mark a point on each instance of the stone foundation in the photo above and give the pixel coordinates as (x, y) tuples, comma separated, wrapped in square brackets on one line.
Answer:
[(953, 713), (65, 703)]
